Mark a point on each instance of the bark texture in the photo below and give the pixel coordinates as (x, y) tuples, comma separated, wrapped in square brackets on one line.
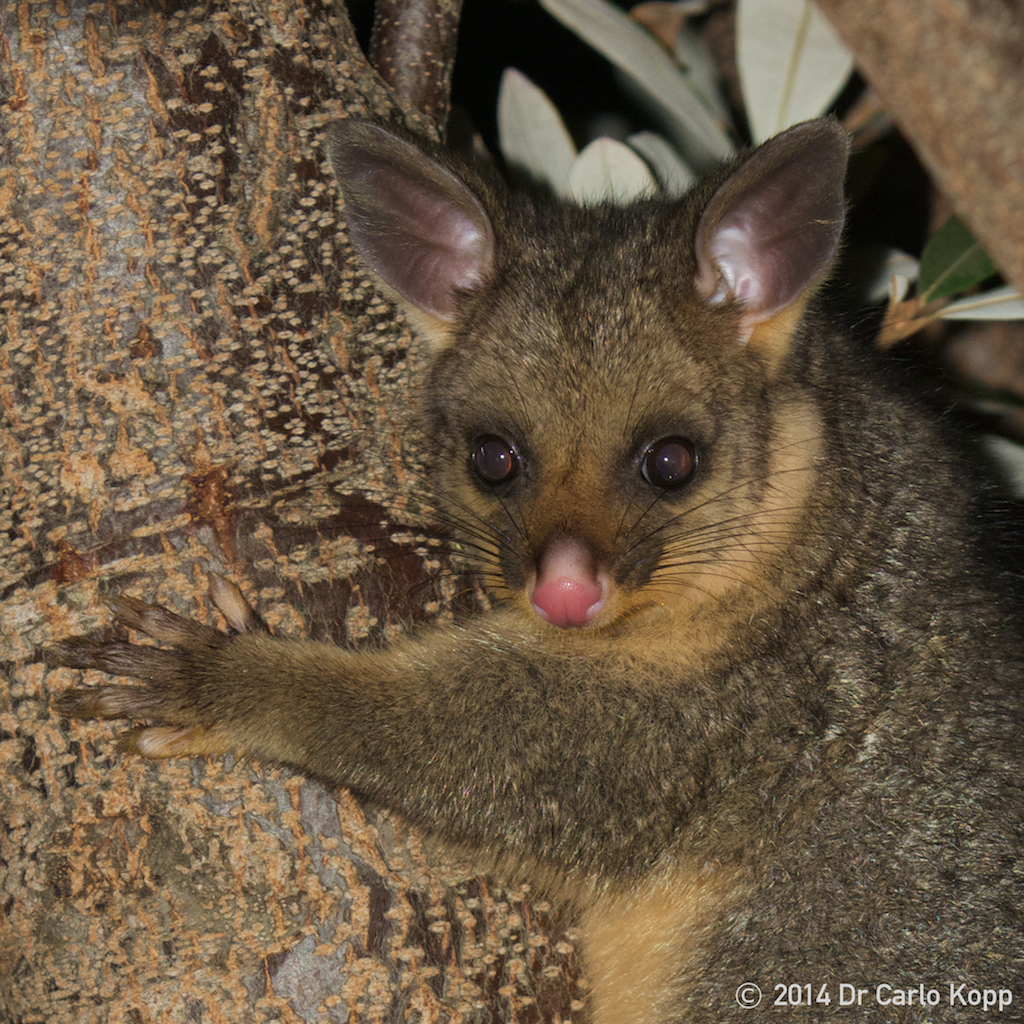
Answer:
[(413, 49), (951, 73), (195, 375)]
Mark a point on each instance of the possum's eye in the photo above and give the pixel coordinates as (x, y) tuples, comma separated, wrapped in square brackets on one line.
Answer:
[(669, 462), (495, 460)]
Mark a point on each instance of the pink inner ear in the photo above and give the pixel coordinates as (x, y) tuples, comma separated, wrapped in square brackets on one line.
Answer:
[(427, 247), (420, 228), (734, 256), (772, 228)]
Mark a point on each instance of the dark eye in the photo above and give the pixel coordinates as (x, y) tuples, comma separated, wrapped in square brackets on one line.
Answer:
[(495, 460), (669, 462)]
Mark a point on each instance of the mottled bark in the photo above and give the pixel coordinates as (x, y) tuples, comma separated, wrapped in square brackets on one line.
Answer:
[(952, 75), (413, 50), (195, 375)]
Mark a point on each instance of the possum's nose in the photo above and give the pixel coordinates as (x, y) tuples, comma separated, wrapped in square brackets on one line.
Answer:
[(570, 588)]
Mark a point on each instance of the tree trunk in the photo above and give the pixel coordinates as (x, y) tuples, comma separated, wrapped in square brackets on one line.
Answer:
[(195, 375)]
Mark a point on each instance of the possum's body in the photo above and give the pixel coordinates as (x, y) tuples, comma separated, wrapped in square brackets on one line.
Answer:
[(748, 702)]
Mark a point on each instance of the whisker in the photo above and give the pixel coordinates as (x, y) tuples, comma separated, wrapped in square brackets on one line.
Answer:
[(720, 496)]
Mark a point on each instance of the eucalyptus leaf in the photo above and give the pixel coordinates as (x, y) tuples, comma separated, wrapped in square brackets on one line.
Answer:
[(996, 304), (899, 285), (888, 264), (531, 133), (1009, 458), (952, 261), (698, 68), (792, 65), (609, 171), (672, 172), (631, 48)]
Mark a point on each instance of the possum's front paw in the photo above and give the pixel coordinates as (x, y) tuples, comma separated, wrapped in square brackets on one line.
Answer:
[(180, 680)]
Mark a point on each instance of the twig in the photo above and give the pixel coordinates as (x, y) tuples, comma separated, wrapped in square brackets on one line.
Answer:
[(413, 49)]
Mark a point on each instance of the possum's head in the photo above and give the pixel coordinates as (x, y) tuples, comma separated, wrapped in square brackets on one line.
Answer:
[(609, 386)]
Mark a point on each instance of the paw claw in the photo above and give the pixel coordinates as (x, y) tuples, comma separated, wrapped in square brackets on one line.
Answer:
[(178, 672), (229, 600), (100, 702), (155, 621), (161, 741), (71, 652)]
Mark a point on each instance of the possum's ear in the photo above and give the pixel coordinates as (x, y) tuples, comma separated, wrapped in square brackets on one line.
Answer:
[(417, 226), (770, 231)]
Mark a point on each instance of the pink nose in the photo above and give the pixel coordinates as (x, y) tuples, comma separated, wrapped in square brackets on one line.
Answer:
[(569, 590)]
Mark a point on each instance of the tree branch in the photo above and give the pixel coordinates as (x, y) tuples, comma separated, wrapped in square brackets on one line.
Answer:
[(413, 49), (952, 76)]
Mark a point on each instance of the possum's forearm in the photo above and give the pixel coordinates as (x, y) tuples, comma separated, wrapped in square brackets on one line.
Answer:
[(561, 758)]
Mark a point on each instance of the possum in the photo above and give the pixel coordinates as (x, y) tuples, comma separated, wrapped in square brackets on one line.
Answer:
[(747, 700)]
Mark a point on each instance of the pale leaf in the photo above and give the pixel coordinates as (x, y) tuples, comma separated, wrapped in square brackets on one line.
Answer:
[(699, 70), (668, 166), (897, 288), (996, 304), (792, 65), (609, 171), (887, 264), (694, 128), (531, 133), (1009, 458)]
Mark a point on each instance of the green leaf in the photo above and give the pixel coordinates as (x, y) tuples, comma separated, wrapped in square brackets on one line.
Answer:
[(952, 261)]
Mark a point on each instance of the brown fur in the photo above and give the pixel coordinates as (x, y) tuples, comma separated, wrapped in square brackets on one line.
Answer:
[(786, 751)]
